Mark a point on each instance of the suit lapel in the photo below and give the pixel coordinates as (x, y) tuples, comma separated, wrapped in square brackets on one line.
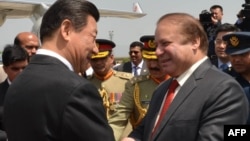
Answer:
[(184, 92), (154, 109)]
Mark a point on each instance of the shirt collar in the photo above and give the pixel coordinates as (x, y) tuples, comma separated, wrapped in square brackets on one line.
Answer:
[(8, 80), (184, 76), (139, 66), (56, 55), (220, 63)]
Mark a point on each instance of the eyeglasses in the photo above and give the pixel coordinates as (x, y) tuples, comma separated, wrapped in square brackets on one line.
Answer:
[(135, 52), (219, 42)]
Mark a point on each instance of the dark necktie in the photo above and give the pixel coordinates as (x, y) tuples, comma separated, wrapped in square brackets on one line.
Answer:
[(169, 98), (223, 67), (135, 70)]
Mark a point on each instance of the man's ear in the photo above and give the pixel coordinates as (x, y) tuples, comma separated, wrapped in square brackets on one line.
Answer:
[(66, 29), (196, 43)]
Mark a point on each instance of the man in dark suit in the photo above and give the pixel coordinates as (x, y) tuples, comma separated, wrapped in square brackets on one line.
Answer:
[(15, 59), (136, 65), (205, 98), (221, 60), (49, 100)]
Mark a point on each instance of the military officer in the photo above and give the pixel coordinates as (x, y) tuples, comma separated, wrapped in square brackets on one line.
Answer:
[(109, 82), (138, 92), (238, 49)]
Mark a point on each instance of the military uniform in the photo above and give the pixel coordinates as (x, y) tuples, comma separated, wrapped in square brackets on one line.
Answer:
[(109, 82), (239, 44), (111, 89), (136, 98), (134, 103)]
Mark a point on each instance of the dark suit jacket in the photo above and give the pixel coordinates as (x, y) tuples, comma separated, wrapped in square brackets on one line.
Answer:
[(3, 89), (49, 102), (214, 61), (127, 67), (3, 136), (208, 100)]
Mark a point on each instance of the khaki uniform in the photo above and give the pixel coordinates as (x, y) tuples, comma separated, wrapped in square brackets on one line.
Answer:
[(111, 89), (133, 105)]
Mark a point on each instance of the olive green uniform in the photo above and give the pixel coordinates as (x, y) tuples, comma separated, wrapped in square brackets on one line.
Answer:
[(111, 89), (133, 104)]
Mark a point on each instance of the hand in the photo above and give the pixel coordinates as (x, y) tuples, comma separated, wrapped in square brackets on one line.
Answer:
[(128, 139), (214, 20)]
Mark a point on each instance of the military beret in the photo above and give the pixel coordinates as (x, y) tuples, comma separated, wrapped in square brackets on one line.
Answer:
[(237, 42), (104, 47), (148, 51)]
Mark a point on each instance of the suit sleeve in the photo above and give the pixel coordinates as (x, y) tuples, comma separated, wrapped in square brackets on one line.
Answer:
[(119, 119), (84, 117)]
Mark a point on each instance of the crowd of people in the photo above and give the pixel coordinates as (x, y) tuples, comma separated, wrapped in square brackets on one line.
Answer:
[(184, 82)]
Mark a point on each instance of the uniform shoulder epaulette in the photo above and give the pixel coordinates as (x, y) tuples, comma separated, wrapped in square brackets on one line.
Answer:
[(140, 78), (124, 75)]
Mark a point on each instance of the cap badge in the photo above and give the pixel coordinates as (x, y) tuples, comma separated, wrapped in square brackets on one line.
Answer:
[(234, 41), (151, 44)]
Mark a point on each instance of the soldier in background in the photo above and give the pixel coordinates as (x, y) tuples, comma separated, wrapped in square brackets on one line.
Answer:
[(109, 82), (136, 98), (238, 50)]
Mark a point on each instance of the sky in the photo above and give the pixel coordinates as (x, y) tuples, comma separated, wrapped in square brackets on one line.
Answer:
[(126, 31)]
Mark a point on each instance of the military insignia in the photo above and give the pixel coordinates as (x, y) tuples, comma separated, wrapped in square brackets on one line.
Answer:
[(115, 97), (151, 44), (234, 41)]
